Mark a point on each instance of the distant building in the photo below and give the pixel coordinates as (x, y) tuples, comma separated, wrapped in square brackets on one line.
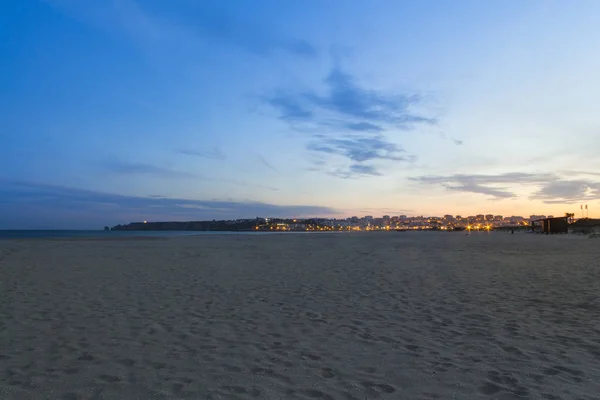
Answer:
[(489, 217), (498, 218)]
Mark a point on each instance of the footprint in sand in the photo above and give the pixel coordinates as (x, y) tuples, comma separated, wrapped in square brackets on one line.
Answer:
[(369, 370), (109, 378), (327, 373), (71, 396), (86, 357), (489, 388), (313, 357), (231, 368), (235, 389), (126, 362), (379, 387), (71, 371), (317, 394), (574, 372)]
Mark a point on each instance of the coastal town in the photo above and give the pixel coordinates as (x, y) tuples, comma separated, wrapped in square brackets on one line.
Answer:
[(401, 222), (365, 223)]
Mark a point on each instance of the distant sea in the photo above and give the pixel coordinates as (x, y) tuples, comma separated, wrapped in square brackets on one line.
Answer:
[(41, 234), (50, 234)]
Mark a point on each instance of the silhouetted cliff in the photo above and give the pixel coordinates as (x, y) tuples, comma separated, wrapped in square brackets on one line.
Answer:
[(187, 226)]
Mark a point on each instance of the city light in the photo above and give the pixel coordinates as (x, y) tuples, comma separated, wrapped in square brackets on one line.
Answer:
[(447, 223)]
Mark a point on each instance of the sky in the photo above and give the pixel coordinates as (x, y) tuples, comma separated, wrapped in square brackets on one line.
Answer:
[(126, 110)]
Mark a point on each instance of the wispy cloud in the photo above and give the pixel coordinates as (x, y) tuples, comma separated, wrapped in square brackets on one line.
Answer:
[(453, 140), (347, 98), (290, 108), (261, 37), (356, 170), (379, 211), (215, 153), (65, 207), (579, 173), (190, 21), (366, 108), (359, 149), (568, 191), (138, 168), (491, 185), (155, 171), (362, 126), (350, 121), (549, 188), (267, 164), (123, 17)]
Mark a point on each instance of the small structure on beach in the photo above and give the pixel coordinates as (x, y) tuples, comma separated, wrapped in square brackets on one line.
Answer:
[(552, 225)]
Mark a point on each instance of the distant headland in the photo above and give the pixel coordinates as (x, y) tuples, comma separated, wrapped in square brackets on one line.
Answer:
[(247, 225), (239, 225)]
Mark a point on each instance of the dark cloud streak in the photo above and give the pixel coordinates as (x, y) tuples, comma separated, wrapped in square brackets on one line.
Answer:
[(65, 207), (138, 168), (267, 164), (216, 153)]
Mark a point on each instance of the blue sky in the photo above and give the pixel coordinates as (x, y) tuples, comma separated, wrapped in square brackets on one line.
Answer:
[(119, 110)]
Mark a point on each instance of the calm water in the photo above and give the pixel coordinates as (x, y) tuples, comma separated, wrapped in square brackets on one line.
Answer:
[(41, 234), (24, 234)]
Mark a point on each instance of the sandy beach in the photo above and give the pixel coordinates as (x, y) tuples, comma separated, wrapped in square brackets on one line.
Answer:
[(302, 316)]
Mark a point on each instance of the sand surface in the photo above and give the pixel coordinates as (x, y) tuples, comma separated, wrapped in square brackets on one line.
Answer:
[(302, 316)]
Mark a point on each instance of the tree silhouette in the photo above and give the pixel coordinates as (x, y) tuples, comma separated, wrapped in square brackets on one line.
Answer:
[(569, 217)]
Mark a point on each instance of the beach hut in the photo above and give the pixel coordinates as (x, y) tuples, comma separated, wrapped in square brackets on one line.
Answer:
[(554, 225)]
